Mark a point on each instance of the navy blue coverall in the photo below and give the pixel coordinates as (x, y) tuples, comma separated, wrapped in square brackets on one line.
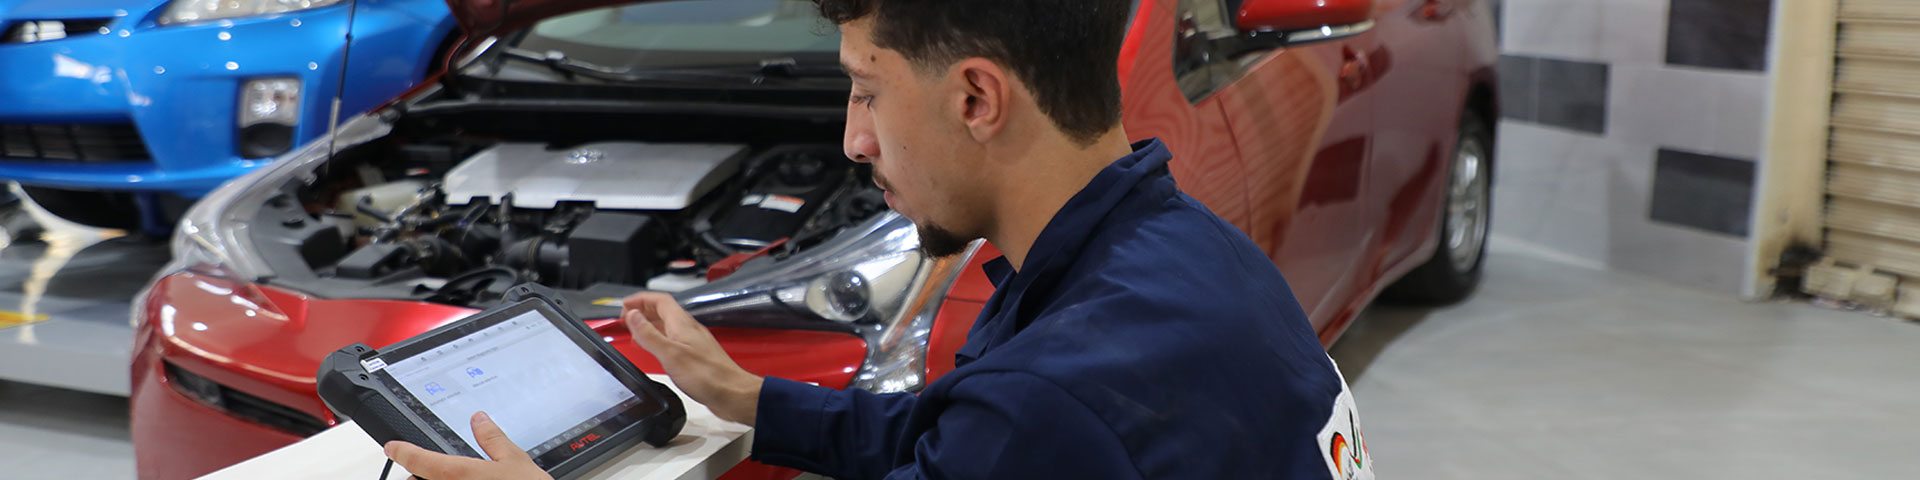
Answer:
[(1144, 337)]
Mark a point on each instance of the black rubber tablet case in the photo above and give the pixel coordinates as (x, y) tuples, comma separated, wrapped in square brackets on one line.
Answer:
[(347, 389)]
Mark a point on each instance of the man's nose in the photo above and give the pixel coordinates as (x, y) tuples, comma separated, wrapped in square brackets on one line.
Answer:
[(862, 147), (860, 143)]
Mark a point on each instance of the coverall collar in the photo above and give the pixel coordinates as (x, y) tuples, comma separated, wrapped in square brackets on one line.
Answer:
[(1059, 243)]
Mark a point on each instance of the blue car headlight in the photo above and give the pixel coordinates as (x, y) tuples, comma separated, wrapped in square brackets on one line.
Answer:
[(187, 11)]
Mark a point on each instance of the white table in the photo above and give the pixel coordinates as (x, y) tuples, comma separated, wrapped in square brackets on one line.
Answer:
[(706, 448)]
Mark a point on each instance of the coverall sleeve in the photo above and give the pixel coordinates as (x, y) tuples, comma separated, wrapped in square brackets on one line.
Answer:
[(845, 434), (1005, 425)]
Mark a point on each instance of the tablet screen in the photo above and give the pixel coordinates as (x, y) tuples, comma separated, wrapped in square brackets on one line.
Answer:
[(541, 388)]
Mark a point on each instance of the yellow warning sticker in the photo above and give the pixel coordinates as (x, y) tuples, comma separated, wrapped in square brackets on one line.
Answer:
[(15, 319), (607, 302)]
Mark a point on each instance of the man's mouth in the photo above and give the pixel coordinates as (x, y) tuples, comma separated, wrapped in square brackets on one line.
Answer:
[(886, 191)]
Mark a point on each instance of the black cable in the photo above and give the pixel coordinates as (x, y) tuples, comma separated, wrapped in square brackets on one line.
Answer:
[(387, 469)]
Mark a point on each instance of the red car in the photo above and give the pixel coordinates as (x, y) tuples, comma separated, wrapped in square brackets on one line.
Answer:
[(693, 147)]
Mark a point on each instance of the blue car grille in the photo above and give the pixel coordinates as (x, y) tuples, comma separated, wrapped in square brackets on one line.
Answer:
[(88, 143)]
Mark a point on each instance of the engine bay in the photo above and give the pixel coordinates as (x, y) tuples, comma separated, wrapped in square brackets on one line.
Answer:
[(458, 221)]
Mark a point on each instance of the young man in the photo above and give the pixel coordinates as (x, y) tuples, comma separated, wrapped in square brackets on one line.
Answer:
[(1132, 333)]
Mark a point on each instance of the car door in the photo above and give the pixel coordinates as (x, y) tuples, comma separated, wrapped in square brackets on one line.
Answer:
[(1302, 119), (1206, 161), (1422, 88)]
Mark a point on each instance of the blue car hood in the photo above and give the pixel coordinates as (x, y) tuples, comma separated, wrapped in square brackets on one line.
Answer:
[(11, 10), (485, 18)]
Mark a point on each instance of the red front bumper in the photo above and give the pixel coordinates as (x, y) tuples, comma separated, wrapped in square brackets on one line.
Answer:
[(266, 344), (177, 437)]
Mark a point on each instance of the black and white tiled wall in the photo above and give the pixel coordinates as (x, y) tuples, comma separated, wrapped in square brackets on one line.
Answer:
[(1631, 130)]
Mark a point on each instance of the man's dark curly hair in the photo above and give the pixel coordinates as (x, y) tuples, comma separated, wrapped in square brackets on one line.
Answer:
[(1066, 51)]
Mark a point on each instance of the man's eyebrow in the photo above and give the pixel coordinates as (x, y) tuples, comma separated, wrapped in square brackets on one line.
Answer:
[(854, 72)]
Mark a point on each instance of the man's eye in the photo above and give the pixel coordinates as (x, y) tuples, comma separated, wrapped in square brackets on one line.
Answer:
[(866, 100)]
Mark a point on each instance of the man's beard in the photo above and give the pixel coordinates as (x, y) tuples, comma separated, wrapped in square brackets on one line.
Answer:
[(938, 242)]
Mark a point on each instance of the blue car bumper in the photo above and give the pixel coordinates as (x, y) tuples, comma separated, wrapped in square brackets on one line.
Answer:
[(139, 106)]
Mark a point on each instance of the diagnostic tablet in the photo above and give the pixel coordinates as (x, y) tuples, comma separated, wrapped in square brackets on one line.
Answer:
[(553, 385)]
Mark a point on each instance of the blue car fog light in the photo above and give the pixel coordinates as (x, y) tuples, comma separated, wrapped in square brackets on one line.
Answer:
[(269, 109)]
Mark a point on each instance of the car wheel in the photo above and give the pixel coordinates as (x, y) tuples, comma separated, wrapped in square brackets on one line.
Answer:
[(93, 209), (1465, 218)]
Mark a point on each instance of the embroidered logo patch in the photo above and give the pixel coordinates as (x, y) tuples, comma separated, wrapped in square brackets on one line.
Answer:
[(1341, 442)]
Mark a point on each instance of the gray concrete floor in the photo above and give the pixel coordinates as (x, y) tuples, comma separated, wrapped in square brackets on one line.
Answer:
[(63, 413), (53, 433), (74, 283), (1552, 371), (1558, 371)]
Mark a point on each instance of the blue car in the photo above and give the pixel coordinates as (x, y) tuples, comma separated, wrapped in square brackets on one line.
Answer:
[(115, 113)]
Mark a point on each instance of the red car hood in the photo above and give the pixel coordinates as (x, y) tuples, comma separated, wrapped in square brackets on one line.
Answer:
[(485, 18)]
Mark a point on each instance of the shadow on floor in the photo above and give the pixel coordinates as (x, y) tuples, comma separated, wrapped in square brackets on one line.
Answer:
[(113, 269), (1378, 327)]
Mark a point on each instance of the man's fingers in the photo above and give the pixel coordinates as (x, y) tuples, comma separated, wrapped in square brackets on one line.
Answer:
[(494, 441), (647, 302), (648, 336), (675, 321), (425, 464), (681, 323), (662, 310)]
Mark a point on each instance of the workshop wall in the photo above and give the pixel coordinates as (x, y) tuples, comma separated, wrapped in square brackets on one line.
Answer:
[(1630, 132)]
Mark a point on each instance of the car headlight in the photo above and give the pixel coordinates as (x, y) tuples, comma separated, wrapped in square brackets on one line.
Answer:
[(186, 11), (872, 279)]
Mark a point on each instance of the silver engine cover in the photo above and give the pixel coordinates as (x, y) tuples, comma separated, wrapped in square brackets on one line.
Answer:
[(612, 175)]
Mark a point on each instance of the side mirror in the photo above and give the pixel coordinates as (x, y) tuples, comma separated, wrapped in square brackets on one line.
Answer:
[(1285, 22)]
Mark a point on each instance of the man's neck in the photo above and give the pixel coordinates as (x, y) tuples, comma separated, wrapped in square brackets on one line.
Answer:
[(1056, 172)]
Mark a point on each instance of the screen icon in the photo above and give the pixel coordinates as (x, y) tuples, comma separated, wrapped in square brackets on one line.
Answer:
[(474, 372), (434, 388)]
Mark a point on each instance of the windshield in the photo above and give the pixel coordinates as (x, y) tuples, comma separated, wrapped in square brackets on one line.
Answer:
[(690, 34)]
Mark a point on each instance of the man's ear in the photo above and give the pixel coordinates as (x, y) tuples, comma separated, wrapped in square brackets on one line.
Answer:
[(986, 91)]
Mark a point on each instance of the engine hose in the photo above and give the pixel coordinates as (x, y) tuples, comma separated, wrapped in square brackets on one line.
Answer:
[(466, 217), (713, 242), (468, 286)]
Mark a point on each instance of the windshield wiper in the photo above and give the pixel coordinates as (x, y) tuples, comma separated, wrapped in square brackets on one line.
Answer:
[(768, 70), (790, 68)]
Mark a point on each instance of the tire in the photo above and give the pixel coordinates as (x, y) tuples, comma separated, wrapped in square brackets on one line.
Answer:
[(93, 209), (1466, 214)]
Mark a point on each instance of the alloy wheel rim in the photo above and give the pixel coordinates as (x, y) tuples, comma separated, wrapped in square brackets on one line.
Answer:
[(1467, 206)]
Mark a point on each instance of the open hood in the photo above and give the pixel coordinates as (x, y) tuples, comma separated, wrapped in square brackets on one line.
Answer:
[(485, 18)]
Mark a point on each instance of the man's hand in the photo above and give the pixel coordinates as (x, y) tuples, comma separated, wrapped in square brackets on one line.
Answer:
[(509, 461), (691, 357)]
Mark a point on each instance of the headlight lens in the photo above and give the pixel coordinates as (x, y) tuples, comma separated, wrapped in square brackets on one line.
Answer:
[(872, 279), (897, 355), (184, 11)]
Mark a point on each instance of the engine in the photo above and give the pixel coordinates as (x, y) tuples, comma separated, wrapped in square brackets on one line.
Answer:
[(465, 222)]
